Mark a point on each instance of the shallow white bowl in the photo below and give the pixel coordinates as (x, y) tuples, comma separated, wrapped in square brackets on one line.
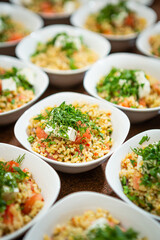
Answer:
[(142, 42), (114, 165), (64, 78), (40, 85), (31, 21), (52, 15), (45, 176), (77, 203), (119, 42), (119, 120), (127, 61)]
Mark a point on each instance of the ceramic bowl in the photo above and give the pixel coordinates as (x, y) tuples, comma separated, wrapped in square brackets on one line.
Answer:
[(114, 165), (30, 20), (77, 203), (119, 120), (127, 61), (142, 42), (63, 78), (41, 84), (119, 42), (42, 173), (51, 16)]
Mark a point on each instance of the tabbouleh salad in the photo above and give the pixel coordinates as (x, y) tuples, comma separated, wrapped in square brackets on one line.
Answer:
[(20, 197), (93, 225), (15, 88), (63, 52), (140, 176), (74, 133), (130, 88), (115, 19)]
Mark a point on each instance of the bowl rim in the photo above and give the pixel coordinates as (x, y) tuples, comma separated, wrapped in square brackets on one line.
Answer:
[(20, 231), (22, 9), (146, 34), (109, 165), (112, 55), (113, 37), (79, 195), (34, 68), (66, 164), (48, 28)]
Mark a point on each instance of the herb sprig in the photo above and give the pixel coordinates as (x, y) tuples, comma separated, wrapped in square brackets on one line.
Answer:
[(151, 164)]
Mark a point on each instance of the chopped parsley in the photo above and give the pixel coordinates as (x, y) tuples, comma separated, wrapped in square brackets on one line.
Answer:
[(151, 163), (108, 233), (65, 116), (119, 83), (144, 138), (110, 11)]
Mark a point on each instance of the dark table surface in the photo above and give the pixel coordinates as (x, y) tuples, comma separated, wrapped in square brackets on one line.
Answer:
[(93, 180)]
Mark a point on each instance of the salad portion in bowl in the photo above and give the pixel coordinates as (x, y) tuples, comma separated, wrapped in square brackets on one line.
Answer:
[(20, 196), (11, 30), (133, 172), (130, 88), (129, 81), (25, 196), (115, 18), (91, 215), (21, 85), (72, 131), (16, 88), (63, 52), (51, 9), (119, 21)]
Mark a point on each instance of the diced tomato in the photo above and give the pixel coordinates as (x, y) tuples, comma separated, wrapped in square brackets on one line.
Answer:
[(31, 201), (41, 133), (9, 99), (136, 181), (125, 103), (21, 97), (95, 154), (87, 134), (46, 7), (15, 36), (107, 32), (156, 87), (107, 146), (8, 216), (10, 165), (142, 102), (130, 21), (25, 170)]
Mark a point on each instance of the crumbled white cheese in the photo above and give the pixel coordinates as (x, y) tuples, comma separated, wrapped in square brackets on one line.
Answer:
[(100, 222), (7, 189), (69, 7), (144, 88), (139, 162), (9, 84), (61, 40), (70, 132), (119, 19), (29, 74), (122, 82)]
